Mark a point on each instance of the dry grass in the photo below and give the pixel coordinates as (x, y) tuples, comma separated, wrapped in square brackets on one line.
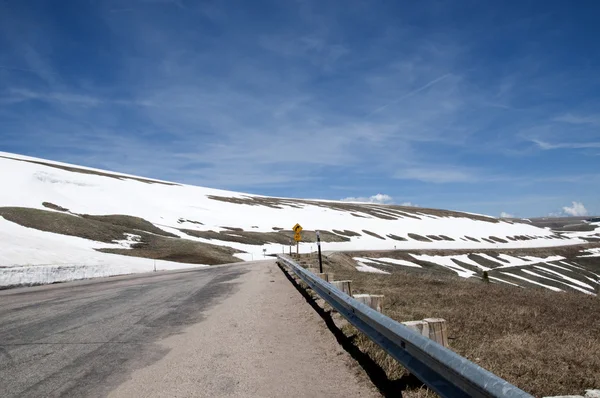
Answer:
[(373, 234), (418, 237), (155, 243), (54, 207), (65, 224), (386, 212), (178, 250), (544, 342), (261, 238), (130, 222)]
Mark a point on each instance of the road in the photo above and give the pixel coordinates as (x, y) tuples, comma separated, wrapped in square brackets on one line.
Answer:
[(238, 330)]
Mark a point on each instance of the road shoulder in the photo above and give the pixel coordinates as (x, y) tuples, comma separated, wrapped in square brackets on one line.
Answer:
[(265, 340)]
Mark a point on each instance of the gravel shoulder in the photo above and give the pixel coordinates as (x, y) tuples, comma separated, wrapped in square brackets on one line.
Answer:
[(264, 340)]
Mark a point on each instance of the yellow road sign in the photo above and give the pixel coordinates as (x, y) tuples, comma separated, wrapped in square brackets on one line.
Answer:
[(297, 228), (297, 237)]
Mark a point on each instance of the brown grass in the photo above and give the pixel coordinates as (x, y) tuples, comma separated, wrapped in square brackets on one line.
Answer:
[(396, 237), (261, 238), (373, 234), (130, 222), (386, 212), (345, 232), (54, 207), (155, 243), (179, 250), (543, 342), (418, 237), (65, 224)]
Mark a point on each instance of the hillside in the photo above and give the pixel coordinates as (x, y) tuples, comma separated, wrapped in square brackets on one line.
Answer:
[(61, 222)]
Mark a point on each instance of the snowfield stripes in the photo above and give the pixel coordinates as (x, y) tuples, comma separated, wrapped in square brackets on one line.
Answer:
[(441, 369)]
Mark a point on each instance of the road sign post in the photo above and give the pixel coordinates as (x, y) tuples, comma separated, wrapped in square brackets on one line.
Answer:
[(319, 247), (297, 237)]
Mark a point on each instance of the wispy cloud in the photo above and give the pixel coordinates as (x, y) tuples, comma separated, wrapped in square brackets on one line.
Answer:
[(410, 94), (379, 198), (576, 210), (438, 175), (569, 118), (566, 145)]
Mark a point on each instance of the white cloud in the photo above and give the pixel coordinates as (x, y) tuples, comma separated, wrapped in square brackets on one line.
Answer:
[(379, 198), (577, 210), (506, 215), (409, 204)]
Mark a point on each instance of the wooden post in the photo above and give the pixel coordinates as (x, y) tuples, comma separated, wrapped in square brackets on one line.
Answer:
[(374, 301), (438, 330), (433, 328), (324, 276), (420, 327), (344, 286)]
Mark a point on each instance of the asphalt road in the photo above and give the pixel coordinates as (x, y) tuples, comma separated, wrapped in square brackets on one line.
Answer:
[(219, 331)]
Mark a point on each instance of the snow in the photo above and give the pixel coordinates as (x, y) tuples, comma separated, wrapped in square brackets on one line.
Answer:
[(27, 184), (465, 259), (503, 281), (559, 267), (572, 280), (556, 281), (555, 289), (362, 267), (572, 265), (445, 261), (397, 262), (29, 256), (519, 261), (592, 253), (490, 258)]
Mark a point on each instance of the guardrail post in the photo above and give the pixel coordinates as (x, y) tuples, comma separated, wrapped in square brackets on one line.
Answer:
[(438, 330), (420, 327), (374, 301), (344, 286), (325, 276), (433, 328)]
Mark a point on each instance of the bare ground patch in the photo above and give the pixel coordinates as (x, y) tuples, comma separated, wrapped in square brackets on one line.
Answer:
[(418, 237), (282, 237), (52, 206), (131, 222), (154, 242), (373, 234), (178, 250), (396, 237), (386, 212), (345, 233)]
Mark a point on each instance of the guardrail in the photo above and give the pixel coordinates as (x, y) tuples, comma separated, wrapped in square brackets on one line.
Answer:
[(441, 369)]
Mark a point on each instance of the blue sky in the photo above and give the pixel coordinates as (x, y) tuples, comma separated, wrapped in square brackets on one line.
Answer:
[(472, 105)]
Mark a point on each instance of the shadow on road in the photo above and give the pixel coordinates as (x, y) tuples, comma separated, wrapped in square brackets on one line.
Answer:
[(387, 387)]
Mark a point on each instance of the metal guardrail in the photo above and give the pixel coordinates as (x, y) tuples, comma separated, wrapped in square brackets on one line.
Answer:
[(441, 369)]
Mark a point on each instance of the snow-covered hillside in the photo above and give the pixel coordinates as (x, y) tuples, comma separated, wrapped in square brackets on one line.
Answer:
[(247, 223)]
